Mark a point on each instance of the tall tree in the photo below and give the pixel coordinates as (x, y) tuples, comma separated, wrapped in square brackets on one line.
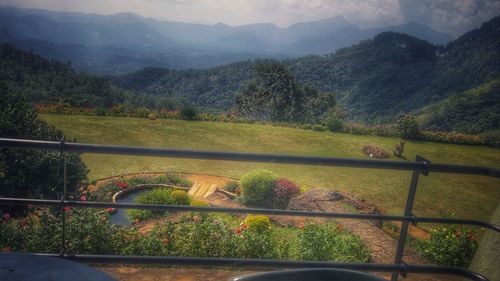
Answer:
[(273, 95), (32, 173)]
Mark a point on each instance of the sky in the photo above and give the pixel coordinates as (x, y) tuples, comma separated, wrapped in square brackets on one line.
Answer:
[(451, 16)]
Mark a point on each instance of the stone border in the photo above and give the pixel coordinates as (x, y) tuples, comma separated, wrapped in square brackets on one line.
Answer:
[(122, 192), (159, 174)]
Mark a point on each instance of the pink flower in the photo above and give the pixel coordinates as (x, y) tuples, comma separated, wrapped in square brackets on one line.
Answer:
[(6, 249), (30, 206), (6, 216), (67, 209), (83, 198), (23, 222), (110, 210)]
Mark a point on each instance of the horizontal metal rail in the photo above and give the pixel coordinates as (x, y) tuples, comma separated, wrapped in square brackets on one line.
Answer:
[(420, 166), (247, 157), (180, 208)]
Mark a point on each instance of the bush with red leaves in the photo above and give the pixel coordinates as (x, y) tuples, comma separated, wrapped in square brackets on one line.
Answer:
[(283, 191)]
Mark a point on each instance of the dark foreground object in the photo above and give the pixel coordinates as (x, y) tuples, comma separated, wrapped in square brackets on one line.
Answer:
[(310, 275), (28, 267)]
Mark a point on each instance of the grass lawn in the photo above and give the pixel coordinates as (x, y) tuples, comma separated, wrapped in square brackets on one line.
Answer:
[(469, 196)]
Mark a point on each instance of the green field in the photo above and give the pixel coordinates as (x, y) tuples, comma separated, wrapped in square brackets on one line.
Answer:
[(469, 196)]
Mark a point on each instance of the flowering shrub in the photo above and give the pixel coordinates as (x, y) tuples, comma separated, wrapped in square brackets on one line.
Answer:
[(121, 184), (87, 231), (325, 242), (453, 246), (257, 188), (283, 191), (206, 237), (451, 137), (255, 244)]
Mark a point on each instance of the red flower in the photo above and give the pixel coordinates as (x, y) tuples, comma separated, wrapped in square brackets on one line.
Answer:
[(237, 230), (83, 198), (67, 209), (165, 241), (301, 225), (110, 210), (245, 226), (6, 216), (23, 222), (6, 249), (122, 184)]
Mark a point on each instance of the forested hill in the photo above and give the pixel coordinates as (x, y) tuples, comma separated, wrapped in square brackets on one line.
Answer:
[(42, 81), (374, 80)]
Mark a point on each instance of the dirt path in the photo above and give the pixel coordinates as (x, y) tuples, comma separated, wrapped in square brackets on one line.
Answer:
[(381, 245), (128, 273)]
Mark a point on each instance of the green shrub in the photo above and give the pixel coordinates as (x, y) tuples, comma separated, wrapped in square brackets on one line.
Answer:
[(319, 128), (334, 124), (407, 126), (159, 195), (188, 112), (157, 242), (199, 203), (140, 215), (258, 223), (326, 243), (257, 188), (88, 231), (178, 180), (206, 238), (452, 246), (180, 197), (452, 137), (231, 186), (253, 244)]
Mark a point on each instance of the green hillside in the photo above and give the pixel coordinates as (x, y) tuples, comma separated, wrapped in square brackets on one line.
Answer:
[(375, 80), (472, 111), (469, 196)]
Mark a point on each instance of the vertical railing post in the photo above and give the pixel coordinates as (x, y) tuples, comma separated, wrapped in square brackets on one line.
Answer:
[(63, 198), (408, 212)]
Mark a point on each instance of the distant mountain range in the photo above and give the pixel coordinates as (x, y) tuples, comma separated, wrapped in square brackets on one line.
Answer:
[(121, 43), (375, 80)]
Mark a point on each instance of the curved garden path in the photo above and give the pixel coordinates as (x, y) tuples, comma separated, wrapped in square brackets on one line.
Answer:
[(380, 244)]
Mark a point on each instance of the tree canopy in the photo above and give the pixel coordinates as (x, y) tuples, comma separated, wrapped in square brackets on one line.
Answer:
[(274, 95)]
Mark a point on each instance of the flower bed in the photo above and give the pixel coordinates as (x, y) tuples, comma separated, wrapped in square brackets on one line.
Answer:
[(89, 231)]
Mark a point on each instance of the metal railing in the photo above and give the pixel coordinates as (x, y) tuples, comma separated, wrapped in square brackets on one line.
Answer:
[(421, 166)]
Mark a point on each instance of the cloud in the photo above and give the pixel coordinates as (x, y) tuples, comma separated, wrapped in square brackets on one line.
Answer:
[(455, 16)]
